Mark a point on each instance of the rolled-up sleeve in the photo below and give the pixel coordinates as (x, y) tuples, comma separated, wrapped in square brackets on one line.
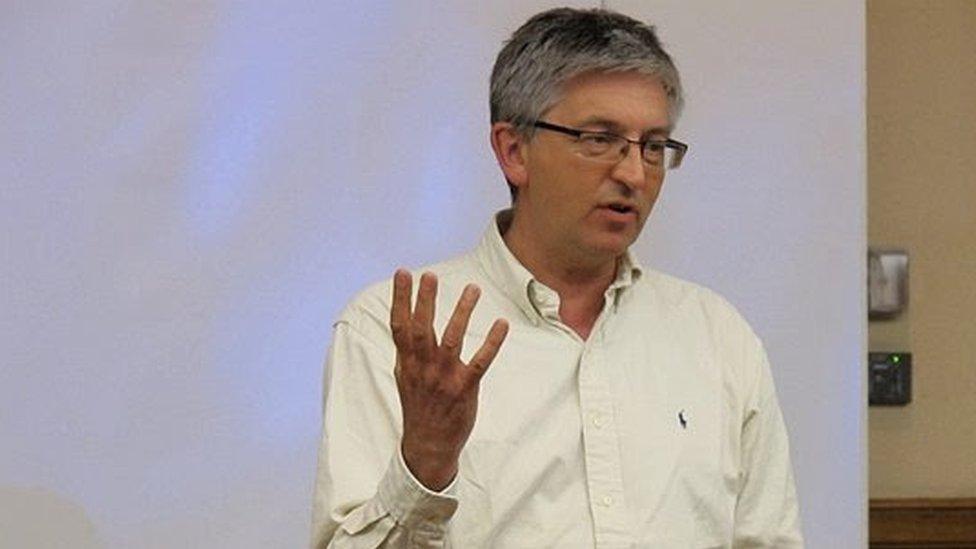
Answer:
[(365, 496)]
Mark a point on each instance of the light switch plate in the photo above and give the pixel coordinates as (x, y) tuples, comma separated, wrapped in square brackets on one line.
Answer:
[(887, 282)]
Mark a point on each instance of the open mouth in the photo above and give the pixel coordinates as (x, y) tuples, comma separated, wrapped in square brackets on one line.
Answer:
[(620, 208)]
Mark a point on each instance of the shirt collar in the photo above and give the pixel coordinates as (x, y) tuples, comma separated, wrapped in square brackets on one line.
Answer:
[(518, 284)]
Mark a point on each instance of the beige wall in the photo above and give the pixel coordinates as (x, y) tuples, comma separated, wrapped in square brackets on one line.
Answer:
[(922, 197)]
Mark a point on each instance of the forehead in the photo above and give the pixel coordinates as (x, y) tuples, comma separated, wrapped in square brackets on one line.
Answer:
[(629, 100)]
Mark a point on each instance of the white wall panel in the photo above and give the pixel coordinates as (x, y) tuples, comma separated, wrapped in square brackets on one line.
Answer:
[(192, 190)]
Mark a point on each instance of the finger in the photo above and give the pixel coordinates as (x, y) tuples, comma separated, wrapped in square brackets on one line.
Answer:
[(422, 328), (457, 326), (400, 310), (489, 349)]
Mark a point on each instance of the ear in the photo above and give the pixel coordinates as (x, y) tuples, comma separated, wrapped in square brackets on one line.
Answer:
[(511, 151)]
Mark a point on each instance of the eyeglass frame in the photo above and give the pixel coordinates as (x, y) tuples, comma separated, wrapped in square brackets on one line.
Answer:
[(680, 149)]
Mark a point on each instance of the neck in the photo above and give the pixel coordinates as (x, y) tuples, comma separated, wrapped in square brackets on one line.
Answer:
[(580, 281)]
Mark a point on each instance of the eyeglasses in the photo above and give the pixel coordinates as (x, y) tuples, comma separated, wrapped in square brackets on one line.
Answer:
[(612, 148)]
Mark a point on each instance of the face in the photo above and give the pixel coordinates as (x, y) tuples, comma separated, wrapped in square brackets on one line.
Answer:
[(574, 203)]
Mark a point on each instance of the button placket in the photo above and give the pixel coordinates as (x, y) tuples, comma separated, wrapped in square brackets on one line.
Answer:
[(601, 449)]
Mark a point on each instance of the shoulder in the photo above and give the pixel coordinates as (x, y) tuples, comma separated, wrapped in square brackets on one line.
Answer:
[(686, 298), (701, 314)]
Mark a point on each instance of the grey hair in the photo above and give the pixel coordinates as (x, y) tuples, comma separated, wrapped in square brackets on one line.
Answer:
[(554, 46)]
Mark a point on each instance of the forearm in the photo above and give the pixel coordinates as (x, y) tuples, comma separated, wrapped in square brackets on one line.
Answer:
[(364, 494)]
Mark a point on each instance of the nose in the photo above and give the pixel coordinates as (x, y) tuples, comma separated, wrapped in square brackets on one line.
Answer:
[(631, 169)]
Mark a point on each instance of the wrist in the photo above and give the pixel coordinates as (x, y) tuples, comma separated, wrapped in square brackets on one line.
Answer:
[(434, 468)]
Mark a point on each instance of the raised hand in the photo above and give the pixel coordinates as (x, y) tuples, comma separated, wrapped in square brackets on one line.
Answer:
[(438, 392)]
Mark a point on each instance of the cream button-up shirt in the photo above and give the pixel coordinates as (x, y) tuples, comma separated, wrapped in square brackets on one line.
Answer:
[(661, 430)]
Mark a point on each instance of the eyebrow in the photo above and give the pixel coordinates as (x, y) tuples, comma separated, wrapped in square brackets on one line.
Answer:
[(614, 127)]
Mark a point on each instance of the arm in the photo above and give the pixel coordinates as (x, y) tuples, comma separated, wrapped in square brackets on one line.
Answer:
[(767, 514), (364, 497)]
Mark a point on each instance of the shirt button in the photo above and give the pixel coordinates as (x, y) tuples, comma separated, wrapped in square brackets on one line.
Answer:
[(607, 501), (598, 422)]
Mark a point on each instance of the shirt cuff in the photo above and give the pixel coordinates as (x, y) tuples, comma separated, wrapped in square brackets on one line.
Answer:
[(412, 504)]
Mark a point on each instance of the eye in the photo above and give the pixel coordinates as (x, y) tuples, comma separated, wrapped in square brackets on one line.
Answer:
[(654, 152), (598, 139)]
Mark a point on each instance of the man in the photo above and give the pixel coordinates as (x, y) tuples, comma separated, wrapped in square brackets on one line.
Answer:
[(623, 407)]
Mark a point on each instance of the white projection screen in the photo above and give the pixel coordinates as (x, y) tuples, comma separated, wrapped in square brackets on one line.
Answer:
[(191, 191)]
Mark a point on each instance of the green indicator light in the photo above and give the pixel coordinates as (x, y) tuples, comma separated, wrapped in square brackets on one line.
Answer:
[(896, 359)]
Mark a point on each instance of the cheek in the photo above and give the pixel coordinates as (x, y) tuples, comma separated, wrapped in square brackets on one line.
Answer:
[(573, 183), (654, 190), (584, 179), (648, 199)]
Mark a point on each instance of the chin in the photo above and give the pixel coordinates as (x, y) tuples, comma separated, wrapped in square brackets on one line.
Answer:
[(613, 245)]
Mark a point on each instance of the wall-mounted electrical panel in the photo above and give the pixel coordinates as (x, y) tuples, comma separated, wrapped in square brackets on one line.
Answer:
[(889, 379)]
